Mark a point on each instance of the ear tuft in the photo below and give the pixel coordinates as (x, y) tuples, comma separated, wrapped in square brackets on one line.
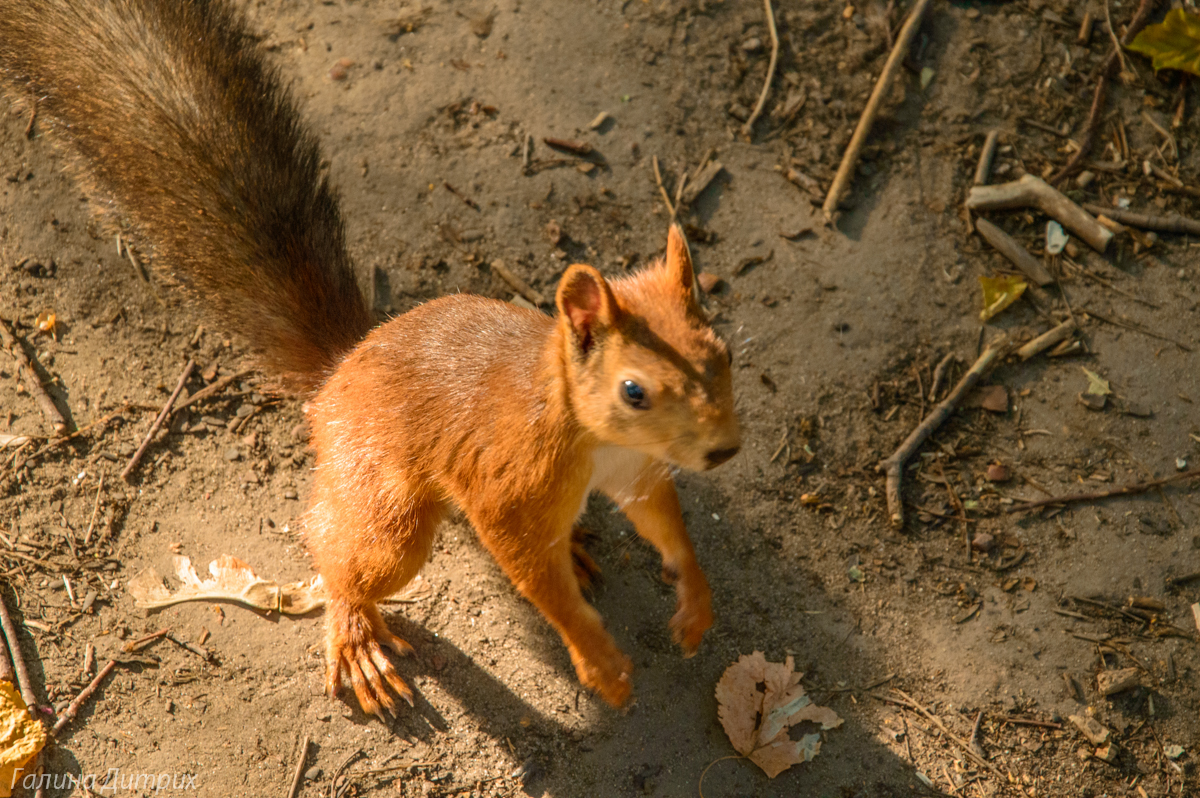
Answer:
[(585, 300), (679, 259)]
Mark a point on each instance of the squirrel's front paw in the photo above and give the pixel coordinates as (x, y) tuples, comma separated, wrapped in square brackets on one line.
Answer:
[(610, 678), (693, 616)]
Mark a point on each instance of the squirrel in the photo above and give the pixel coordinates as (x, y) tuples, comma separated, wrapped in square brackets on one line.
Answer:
[(176, 126)]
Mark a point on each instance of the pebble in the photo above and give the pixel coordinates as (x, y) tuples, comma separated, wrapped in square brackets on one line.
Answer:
[(232, 455), (1085, 178), (212, 421), (244, 410), (752, 45), (312, 774), (291, 494)]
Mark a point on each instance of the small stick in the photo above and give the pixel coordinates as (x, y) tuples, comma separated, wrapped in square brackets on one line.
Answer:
[(212, 390), (699, 181), (913, 705), (202, 653), (355, 754), (1031, 191), (983, 169), (137, 265), (1135, 328), (1008, 246), (579, 148), (1173, 223), (14, 650), (29, 375), (162, 416), (33, 109), (1054, 336), (298, 774), (1109, 285), (77, 703), (472, 203), (973, 741), (1126, 490), (766, 89), (142, 642), (894, 465), (1041, 724), (658, 179), (939, 374), (1085, 29), (520, 286), (526, 152), (89, 658), (87, 537), (850, 159)]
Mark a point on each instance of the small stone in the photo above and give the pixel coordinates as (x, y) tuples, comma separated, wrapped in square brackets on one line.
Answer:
[(983, 542), (1108, 752), (1085, 178), (1093, 401), (1092, 729), (212, 421), (1113, 682), (313, 773), (1180, 464), (291, 494), (752, 45), (232, 455), (998, 472), (244, 410), (170, 707), (708, 281)]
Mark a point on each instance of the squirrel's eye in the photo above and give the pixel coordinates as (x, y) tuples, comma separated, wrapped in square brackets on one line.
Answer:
[(634, 395)]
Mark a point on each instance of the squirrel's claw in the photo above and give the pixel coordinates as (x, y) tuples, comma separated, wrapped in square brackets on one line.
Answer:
[(354, 654)]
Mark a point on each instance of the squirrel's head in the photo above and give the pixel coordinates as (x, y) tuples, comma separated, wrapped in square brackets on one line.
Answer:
[(645, 368)]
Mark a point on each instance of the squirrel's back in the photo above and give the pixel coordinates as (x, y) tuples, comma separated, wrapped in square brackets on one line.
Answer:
[(176, 124)]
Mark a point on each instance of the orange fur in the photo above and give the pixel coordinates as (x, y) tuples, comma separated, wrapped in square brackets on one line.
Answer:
[(502, 412)]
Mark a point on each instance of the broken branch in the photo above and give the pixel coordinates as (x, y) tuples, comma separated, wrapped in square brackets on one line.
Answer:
[(162, 416), (1031, 191), (1048, 339), (894, 465), (1126, 490), (1173, 223), (766, 89), (29, 375), (1008, 246)]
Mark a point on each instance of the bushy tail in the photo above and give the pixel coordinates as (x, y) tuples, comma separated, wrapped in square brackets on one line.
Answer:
[(175, 123)]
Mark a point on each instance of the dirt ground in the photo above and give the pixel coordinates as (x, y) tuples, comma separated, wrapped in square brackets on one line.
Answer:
[(836, 333)]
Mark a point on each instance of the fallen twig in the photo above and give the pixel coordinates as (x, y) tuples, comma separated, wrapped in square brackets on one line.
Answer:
[(137, 645), (909, 702), (579, 148), (212, 390), (1135, 327), (14, 651), (1055, 335), (850, 159), (1098, 99), (983, 169), (298, 773), (470, 202), (1104, 281), (87, 536), (1008, 246), (1174, 223), (939, 374), (894, 465), (337, 774), (202, 653), (1041, 724), (700, 181), (520, 286), (766, 89), (1031, 191), (58, 424), (662, 189), (77, 703), (162, 416), (526, 152), (1127, 490)]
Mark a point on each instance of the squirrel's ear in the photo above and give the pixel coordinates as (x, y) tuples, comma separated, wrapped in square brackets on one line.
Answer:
[(587, 303), (679, 260)]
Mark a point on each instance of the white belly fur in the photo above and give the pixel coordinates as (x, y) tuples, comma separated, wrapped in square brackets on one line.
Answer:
[(614, 470)]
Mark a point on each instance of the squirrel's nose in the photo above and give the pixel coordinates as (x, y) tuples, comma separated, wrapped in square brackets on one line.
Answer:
[(718, 456)]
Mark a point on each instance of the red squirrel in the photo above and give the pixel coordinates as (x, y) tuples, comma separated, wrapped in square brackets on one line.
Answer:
[(177, 127)]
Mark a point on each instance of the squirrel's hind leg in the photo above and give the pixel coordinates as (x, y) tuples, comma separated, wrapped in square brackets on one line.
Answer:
[(365, 554)]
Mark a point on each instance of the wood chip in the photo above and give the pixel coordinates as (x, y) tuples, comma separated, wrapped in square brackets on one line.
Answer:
[(1092, 729), (1113, 682)]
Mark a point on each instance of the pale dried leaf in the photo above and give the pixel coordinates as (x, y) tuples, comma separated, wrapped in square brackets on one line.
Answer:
[(1097, 385), (757, 721), (13, 440), (232, 580)]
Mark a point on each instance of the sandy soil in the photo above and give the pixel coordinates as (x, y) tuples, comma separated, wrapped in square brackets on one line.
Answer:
[(836, 332)]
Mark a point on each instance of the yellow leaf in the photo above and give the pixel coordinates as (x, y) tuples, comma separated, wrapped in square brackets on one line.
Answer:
[(999, 293), (22, 736), (1097, 385), (1172, 44)]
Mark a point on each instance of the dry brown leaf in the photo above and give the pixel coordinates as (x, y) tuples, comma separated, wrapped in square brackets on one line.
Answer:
[(757, 720), (233, 580), (22, 736)]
